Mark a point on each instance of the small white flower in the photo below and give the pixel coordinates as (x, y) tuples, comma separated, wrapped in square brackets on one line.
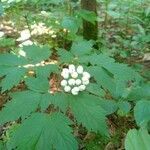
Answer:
[(85, 82), (80, 69), (67, 88), (82, 87), (74, 75), (78, 82), (71, 68), (63, 83), (86, 74), (71, 82)]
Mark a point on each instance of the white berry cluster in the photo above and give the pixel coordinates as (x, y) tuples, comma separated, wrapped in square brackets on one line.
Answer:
[(75, 79)]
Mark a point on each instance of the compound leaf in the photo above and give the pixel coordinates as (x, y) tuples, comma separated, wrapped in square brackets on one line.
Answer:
[(36, 54), (44, 131), (21, 105), (80, 48), (12, 78), (38, 84), (87, 111)]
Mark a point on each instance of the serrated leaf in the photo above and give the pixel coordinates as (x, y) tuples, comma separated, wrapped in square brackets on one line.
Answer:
[(103, 78), (43, 131), (38, 84), (46, 100), (142, 112), (80, 48), (100, 59), (70, 23), (95, 89), (120, 73), (12, 78), (45, 71), (109, 106), (89, 16), (5, 70), (65, 56), (138, 93), (36, 54), (21, 105), (9, 59), (89, 113), (124, 107), (137, 140), (60, 100), (15, 67)]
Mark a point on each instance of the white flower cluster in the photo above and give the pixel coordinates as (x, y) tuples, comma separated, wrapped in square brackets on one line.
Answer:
[(74, 79)]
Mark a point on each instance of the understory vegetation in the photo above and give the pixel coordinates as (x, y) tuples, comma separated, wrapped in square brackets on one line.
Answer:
[(74, 75)]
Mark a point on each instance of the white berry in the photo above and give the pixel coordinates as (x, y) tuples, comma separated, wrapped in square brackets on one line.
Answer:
[(85, 82), (86, 74), (71, 82), (80, 69), (84, 78), (63, 83), (74, 75), (82, 87), (78, 82), (67, 88), (75, 79), (71, 68), (74, 91), (65, 70), (65, 75)]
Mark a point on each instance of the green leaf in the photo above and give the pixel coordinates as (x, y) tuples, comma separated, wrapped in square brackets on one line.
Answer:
[(70, 23), (87, 15), (46, 100), (100, 59), (124, 107), (12, 78), (15, 67), (36, 54), (103, 78), (59, 100), (9, 59), (80, 48), (109, 106), (44, 131), (65, 56), (142, 112), (88, 112), (137, 140), (21, 105), (45, 71), (120, 74), (62, 101), (139, 93), (1, 9), (95, 89), (6, 42), (38, 84)]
